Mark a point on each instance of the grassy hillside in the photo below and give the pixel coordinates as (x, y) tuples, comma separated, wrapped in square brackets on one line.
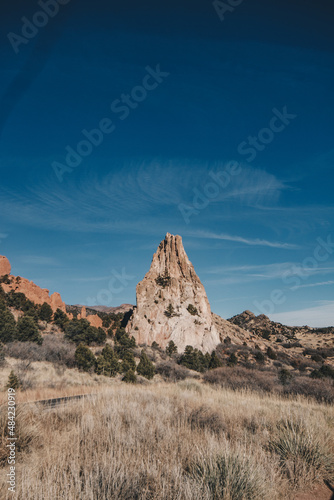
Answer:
[(173, 441)]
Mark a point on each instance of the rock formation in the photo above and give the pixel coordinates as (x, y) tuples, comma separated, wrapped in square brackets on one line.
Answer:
[(93, 319), (172, 303), (32, 291), (5, 267)]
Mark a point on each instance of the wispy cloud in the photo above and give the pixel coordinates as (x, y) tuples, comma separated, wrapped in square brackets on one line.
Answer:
[(241, 239), (319, 316), (308, 285)]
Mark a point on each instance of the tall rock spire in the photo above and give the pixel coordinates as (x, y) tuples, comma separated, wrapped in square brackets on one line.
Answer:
[(172, 303)]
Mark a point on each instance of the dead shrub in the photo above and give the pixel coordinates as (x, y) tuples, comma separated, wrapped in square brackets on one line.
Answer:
[(205, 417)]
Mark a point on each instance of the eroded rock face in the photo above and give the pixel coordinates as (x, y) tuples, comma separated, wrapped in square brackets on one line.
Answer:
[(172, 303), (5, 266), (32, 291), (93, 319)]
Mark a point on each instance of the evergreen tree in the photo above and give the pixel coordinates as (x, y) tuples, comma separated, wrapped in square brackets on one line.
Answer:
[(27, 330), (13, 381), (171, 348), (45, 312), (130, 377), (170, 311), (107, 364), (60, 319), (214, 361), (2, 354), (194, 359), (145, 367), (7, 324), (129, 362), (84, 358)]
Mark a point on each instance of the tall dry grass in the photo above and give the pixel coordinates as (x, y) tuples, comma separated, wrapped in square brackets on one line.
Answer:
[(173, 441)]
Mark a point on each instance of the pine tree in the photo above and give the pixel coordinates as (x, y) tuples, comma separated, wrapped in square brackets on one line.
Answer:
[(13, 381), (130, 377), (27, 331), (145, 367), (84, 358), (45, 312), (107, 364), (214, 361), (171, 348), (7, 324), (2, 354)]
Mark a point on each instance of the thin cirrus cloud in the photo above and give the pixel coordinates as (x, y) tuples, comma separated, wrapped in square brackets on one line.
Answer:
[(100, 203), (241, 239), (308, 285), (319, 316), (246, 274)]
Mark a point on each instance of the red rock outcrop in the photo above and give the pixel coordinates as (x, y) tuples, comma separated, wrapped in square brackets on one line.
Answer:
[(93, 319), (5, 267), (32, 291), (172, 303)]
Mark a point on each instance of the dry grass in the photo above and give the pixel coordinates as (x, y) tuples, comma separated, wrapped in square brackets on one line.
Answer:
[(43, 380), (173, 441)]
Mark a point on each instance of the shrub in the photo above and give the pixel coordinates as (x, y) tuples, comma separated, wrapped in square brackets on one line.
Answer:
[(130, 377), (171, 348), (271, 353), (302, 450), (163, 280), (171, 371), (54, 349), (204, 417), (227, 340), (84, 358), (259, 357), (45, 312), (232, 360), (231, 476), (284, 376), (170, 311), (324, 371), (13, 381), (145, 367), (317, 358), (155, 345), (192, 310), (27, 330)]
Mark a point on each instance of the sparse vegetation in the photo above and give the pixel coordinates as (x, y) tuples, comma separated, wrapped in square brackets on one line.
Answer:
[(167, 441), (163, 280), (192, 310), (170, 311)]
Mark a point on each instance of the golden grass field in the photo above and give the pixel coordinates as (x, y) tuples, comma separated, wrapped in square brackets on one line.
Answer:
[(185, 440)]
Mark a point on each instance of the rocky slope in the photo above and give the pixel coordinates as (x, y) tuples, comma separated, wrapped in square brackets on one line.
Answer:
[(172, 303), (32, 291)]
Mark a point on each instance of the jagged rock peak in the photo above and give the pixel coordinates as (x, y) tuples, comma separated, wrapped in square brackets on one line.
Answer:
[(171, 259), (172, 303), (5, 267)]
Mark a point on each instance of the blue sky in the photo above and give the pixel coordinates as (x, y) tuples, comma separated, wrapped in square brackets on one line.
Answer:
[(247, 98)]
